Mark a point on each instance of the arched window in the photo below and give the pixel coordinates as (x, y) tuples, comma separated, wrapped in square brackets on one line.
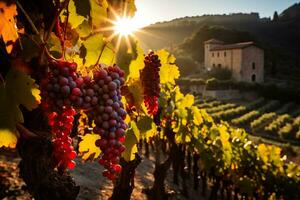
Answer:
[(219, 65), (218, 54), (253, 65), (253, 77), (212, 54)]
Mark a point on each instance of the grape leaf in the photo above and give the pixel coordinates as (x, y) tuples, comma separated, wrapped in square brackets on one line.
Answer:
[(18, 89), (131, 139), (96, 46), (84, 29), (74, 19), (197, 117), (98, 12), (8, 28), (144, 124), (137, 64), (22, 89), (88, 148), (125, 7), (7, 138), (168, 70), (136, 89)]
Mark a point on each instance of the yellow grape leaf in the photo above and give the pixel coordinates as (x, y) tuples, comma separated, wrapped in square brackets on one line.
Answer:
[(262, 152), (130, 143), (7, 138), (8, 28), (168, 70), (98, 12), (74, 19), (137, 64), (88, 147), (187, 101), (84, 29), (197, 117)]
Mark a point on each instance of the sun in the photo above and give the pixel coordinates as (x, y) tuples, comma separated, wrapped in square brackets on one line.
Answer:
[(125, 26)]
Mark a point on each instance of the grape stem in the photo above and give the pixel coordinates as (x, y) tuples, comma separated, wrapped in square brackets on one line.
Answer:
[(100, 55), (65, 29), (60, 7), (28, 19)]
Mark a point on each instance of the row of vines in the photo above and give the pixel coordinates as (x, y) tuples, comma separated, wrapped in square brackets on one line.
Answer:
[(270, 119), (66, 78)]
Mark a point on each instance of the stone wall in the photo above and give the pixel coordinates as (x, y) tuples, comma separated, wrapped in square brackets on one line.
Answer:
[(251, 55)]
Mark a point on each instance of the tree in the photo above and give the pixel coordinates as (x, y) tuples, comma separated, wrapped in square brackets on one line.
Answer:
[(275, 17)]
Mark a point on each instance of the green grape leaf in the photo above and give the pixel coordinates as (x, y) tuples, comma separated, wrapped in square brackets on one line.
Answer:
[(22, 89), (130, 143), (144, 124), (169, 72), (88, 148), (74, 19), (136, 89), (54, 45), (108, 55), (18, 89), (98, 12), (93, 45)]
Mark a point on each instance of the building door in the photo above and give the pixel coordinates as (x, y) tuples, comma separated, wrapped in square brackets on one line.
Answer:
[(253, 78)]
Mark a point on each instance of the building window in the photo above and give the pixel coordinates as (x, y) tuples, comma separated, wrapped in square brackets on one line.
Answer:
[(212, 54), (253, 78), (219, 65), (224, 53), (214, 65), (253, 65), (218, 54)]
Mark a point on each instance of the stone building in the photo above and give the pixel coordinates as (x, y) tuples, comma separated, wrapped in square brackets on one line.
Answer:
[(245, 60)]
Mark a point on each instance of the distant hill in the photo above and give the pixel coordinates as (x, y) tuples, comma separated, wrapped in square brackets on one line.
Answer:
[(185, 36)]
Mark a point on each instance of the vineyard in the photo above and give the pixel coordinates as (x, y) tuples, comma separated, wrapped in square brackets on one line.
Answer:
[(266, 118), (78, 99)]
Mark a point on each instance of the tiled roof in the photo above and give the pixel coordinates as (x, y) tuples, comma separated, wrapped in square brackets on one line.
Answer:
[(232, 46), (213, 41)]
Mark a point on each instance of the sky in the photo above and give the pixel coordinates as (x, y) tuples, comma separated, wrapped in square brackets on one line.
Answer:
[(151, 11)]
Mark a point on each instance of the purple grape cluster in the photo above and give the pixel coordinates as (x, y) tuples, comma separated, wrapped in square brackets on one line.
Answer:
[(109, 115)]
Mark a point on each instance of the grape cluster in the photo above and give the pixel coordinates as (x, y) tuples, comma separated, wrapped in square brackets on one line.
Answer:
[(150, 81), (63, 91), (109, 116), (57, 100), (62, 124)]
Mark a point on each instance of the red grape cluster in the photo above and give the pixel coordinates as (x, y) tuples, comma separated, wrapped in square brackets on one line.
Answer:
[(150, 81), (57, 89), (62, 124), (109, 116)]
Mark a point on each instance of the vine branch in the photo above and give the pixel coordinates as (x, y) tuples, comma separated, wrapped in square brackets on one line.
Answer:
[(28, 19)]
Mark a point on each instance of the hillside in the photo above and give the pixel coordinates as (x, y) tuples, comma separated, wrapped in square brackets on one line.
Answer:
[(185, 36)]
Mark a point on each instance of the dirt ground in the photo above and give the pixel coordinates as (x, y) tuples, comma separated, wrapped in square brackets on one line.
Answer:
[(93, 186)]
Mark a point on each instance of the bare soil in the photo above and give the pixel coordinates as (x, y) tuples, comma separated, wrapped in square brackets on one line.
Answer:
[(93, 186)]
